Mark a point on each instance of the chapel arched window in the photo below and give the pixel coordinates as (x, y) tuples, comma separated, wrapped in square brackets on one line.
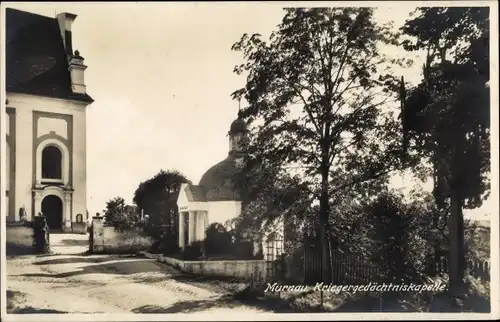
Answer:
[(51, 163)]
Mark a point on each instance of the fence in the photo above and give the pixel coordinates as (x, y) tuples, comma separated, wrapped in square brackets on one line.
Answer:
[(351, 269), (345, 268), (473, 268)]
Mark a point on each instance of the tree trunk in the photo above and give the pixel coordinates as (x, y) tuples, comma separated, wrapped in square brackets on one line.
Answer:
[(324, 210), (456, 243)]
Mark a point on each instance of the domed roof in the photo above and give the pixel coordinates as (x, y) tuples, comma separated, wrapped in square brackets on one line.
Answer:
[(218, 181), (238, 126)]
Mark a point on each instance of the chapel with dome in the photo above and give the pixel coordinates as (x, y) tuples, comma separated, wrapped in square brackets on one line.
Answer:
[(215, 199)]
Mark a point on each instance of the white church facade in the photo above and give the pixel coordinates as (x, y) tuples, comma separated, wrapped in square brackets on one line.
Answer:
[(215, 199), (46, 121)]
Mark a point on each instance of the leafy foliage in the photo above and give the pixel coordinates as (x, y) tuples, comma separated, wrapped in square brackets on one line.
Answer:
[(157, 198), (119, 214), (268, 194), (316, 91), (447, 115), (193, 252), (401, 236), (217, 240), (391, 236), (166, 244), (477, 242)]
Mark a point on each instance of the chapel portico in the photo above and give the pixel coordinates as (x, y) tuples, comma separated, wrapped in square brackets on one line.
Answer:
[(192, 226)]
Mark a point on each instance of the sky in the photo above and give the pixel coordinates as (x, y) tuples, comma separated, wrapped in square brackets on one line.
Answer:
[(161, 75)]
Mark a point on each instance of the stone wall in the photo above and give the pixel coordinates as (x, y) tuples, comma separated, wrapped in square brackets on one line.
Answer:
[(232, 268), (79, 228), (241, 270), (19, 240), (114, 241), (177, 263)]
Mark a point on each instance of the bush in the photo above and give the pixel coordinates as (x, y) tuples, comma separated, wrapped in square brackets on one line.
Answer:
[(397, 235), (168, 248), (193, 252), (217, 240), (242, 249), (165, 244), (477, 242)]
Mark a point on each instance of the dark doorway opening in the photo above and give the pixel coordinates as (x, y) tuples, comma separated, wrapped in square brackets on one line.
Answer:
[(52, 209)]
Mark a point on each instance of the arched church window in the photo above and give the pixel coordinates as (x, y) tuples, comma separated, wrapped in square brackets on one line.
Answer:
[(51, 163), (79, 218)]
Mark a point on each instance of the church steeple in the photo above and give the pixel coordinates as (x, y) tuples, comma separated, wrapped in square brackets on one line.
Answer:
[(237, 135)]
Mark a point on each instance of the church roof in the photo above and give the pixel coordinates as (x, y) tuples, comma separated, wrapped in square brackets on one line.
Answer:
[(218, 181), (36, 61)]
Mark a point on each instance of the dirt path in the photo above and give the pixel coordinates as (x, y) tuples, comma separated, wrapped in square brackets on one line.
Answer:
[(107, 284)]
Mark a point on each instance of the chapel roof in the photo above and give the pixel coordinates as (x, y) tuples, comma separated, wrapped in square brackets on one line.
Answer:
[(218, 181), (195, 193), (36, 61)]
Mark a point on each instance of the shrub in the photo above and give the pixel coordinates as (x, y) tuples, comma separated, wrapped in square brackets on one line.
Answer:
[(193, 252), (217, 240), (242, 249), (171, 250), (477, 242), (165, 243), (397, 235)]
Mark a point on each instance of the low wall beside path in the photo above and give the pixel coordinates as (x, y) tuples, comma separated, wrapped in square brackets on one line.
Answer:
[(237, 269), (110, 240)]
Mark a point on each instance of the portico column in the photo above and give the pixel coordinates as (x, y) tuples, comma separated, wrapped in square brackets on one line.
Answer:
[(181, 230), (38, 206), (191, 227), (200, 225)]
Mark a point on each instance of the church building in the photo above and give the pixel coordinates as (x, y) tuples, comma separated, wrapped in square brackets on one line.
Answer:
[(215, 199), (46, 121)]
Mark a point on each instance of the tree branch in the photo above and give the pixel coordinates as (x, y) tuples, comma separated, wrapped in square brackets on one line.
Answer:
[(309, 112), (362, 179)]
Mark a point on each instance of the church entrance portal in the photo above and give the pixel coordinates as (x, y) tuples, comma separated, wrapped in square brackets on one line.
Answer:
[(52, 208)]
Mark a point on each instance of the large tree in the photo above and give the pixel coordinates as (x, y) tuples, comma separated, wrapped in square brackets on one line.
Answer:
[(157, 198), (447, 116), (319, 93), (117, 212)]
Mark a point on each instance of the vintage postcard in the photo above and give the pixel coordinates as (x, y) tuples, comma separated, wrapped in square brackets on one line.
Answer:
[(249, 161)]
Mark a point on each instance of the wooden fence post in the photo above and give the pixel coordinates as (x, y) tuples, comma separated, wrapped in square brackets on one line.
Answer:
[(321, 300)]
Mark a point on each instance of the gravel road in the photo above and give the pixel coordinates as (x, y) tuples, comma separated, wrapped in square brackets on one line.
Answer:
[(77, 283)]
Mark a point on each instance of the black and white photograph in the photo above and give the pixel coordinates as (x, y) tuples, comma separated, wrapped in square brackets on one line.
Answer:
[(274, 160)]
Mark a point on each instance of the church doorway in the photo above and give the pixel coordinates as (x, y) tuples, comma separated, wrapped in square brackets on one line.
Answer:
[(52, 208)]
